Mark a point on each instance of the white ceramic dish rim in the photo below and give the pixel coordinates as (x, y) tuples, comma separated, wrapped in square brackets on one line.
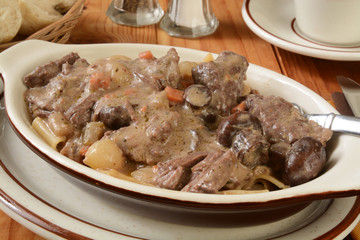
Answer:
[(263, 23), (22, 58)]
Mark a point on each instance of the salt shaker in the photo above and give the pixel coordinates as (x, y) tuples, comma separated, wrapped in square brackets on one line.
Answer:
[(135, 13), (189, 18)]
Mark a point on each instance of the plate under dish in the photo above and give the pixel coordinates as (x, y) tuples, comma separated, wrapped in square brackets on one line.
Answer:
[(274, 21), (40, 197)]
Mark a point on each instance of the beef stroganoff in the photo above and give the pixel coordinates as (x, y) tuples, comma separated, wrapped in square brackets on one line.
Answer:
[(179, 125)]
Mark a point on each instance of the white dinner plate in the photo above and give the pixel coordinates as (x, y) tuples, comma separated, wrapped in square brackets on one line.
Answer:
[(44, 200), (274, 21)]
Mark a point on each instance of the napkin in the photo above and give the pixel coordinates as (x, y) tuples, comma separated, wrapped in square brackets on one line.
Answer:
[(340, 103)]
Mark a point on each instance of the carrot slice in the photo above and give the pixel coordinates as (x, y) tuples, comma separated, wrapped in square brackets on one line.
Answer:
[(129, 91), (109, 95), (240, 107), (83, 150), (143, 109), (99, 80), (146, 55), (174, 95)]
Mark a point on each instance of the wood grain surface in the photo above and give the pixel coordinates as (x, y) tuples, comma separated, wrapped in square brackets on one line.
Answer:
[(95, 27)]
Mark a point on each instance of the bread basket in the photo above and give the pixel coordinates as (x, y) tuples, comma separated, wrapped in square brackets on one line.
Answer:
[(59, 31)]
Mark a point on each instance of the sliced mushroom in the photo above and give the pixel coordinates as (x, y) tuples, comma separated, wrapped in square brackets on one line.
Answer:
[(114, 117), (197, 95), (208, 114), (230, 125), (250, 147), (277, 156), (304, 161)]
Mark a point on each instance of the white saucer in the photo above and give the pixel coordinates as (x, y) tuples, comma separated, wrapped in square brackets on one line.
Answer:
[(274, 21), (48, 203)]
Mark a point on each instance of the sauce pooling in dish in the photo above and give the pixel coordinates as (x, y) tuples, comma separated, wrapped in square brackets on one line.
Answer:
[(186, 126)]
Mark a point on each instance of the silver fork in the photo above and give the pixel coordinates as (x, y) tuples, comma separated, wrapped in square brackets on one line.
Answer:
[(335, 122)]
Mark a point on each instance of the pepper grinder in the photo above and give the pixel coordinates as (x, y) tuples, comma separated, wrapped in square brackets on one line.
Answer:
[(135, 13), (189, 18)]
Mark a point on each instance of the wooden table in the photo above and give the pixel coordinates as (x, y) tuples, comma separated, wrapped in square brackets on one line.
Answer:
[(232, 34)]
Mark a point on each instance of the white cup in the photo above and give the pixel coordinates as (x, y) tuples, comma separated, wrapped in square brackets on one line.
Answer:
[(335, 22)]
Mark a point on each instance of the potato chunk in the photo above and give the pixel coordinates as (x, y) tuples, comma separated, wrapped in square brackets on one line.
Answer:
[(105, 154)]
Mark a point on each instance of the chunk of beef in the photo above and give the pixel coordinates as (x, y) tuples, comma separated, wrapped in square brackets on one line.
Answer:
[(80, 112), (160, 127), (282, 122), (147, 140), (41, 100), (210, 159), (60, 92), (72, 147), (224, 77), (158, 73), (240, 177), (212, 173), (42, 74), (174, 174)]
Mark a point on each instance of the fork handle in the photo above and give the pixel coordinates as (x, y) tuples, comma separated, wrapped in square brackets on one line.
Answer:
[(345, 124)]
